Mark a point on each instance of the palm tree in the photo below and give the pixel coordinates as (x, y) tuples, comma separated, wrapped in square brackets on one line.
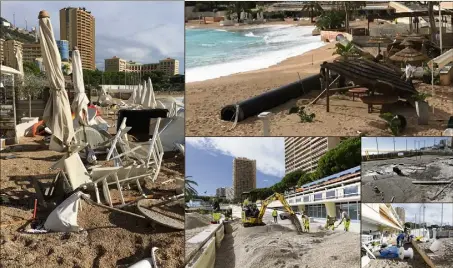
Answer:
[(432, 22), (190, 190), (345, 51), (348, 7), (312, 8)]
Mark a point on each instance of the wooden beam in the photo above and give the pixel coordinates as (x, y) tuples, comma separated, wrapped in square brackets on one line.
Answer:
[(425, 257), (432, 182)]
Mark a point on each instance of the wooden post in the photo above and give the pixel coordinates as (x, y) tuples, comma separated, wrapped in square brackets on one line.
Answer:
[(327, 89)]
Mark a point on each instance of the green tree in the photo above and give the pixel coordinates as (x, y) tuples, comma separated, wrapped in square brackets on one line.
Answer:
[(313, 9), (31, 86), (345, 51), (236, 7), (346, 155), (190, 191), (31, 67), (330, 20)]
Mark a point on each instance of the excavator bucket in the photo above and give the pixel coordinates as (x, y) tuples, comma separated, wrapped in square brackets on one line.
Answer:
[(295, 221)]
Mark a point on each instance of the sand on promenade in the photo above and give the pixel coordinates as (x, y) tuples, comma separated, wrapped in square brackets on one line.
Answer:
[(204, 101)]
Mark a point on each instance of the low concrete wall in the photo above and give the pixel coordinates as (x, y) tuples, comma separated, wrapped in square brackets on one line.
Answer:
[(202, 247)]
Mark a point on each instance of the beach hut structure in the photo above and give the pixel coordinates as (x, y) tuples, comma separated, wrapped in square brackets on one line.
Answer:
[(409, 54), (379, 40), (57, 114)]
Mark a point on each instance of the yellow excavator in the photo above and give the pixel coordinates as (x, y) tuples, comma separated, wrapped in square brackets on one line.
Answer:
[(252, 216)]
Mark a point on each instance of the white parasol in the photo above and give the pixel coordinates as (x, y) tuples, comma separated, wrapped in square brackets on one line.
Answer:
[(80, 103), (134, 95), (142, 97), (150, 99), (138, 96), (57, 114)]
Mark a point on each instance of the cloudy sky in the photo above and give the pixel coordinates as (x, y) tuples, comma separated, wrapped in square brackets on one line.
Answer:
[(432, 212), (142, 31), (210, 160)]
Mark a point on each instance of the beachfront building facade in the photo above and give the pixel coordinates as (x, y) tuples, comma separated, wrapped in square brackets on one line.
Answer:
[(115, 64), (10, 47), (327, 196), (31, 52), (244, 176), (380, 223), (77, 26), (303, 153), (169, 66)]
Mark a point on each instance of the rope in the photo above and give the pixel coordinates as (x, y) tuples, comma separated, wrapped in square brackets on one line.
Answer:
[(236, 115)]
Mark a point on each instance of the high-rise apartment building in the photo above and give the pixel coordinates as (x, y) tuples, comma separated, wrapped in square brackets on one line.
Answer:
[(401, 214), (303, 153), (2, 58), (77, 25), (31, 52), (220, 192), (9, 50), (244, 176)]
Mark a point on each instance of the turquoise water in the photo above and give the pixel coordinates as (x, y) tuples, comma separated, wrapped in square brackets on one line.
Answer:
[(211, 53)]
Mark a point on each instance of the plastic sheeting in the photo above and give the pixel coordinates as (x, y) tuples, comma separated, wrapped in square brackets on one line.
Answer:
[(64, 217)]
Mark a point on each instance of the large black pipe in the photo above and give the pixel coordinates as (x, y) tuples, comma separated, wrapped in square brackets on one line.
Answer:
[(271, 99), (139, 121)]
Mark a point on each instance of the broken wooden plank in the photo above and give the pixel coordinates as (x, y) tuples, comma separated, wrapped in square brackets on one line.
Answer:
[(432, 182), (441, 190), (422, 253)]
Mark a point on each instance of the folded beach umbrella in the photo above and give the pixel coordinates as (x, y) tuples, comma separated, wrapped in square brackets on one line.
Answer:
[(142, 97), (134, 94), (19, 62), (138, 96), (150, 99), (57, 114), (80, 103)]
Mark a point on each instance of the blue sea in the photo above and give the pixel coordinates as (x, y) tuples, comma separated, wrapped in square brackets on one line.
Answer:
[(212, 53)]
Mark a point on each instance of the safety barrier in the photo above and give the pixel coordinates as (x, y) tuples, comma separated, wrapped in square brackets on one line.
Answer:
[(201, 249)]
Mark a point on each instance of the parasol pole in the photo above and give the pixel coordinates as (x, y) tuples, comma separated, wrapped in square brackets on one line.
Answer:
[(432, 80), (440, 29)]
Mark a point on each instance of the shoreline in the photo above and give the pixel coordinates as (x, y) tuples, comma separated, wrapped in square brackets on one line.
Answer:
[(194, 24), (242, 27)]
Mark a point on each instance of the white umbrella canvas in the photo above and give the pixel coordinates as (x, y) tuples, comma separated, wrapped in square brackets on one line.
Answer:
[(80, 103), (134, 95), (142, 97), (138, 96), (150, 99), (57, 114)]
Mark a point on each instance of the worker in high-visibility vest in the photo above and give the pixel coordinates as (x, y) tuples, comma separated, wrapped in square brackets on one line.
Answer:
[(347, 220), (274, 214), (306, 222)]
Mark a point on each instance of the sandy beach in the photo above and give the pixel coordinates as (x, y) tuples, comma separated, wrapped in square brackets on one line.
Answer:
[(205, 99), (108, 240)]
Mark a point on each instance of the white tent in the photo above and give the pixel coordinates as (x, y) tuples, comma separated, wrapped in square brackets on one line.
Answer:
[(57, 114), (80, 103)]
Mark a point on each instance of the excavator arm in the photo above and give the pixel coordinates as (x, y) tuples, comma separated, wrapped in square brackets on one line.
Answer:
[(271, 198), (287, 207)]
